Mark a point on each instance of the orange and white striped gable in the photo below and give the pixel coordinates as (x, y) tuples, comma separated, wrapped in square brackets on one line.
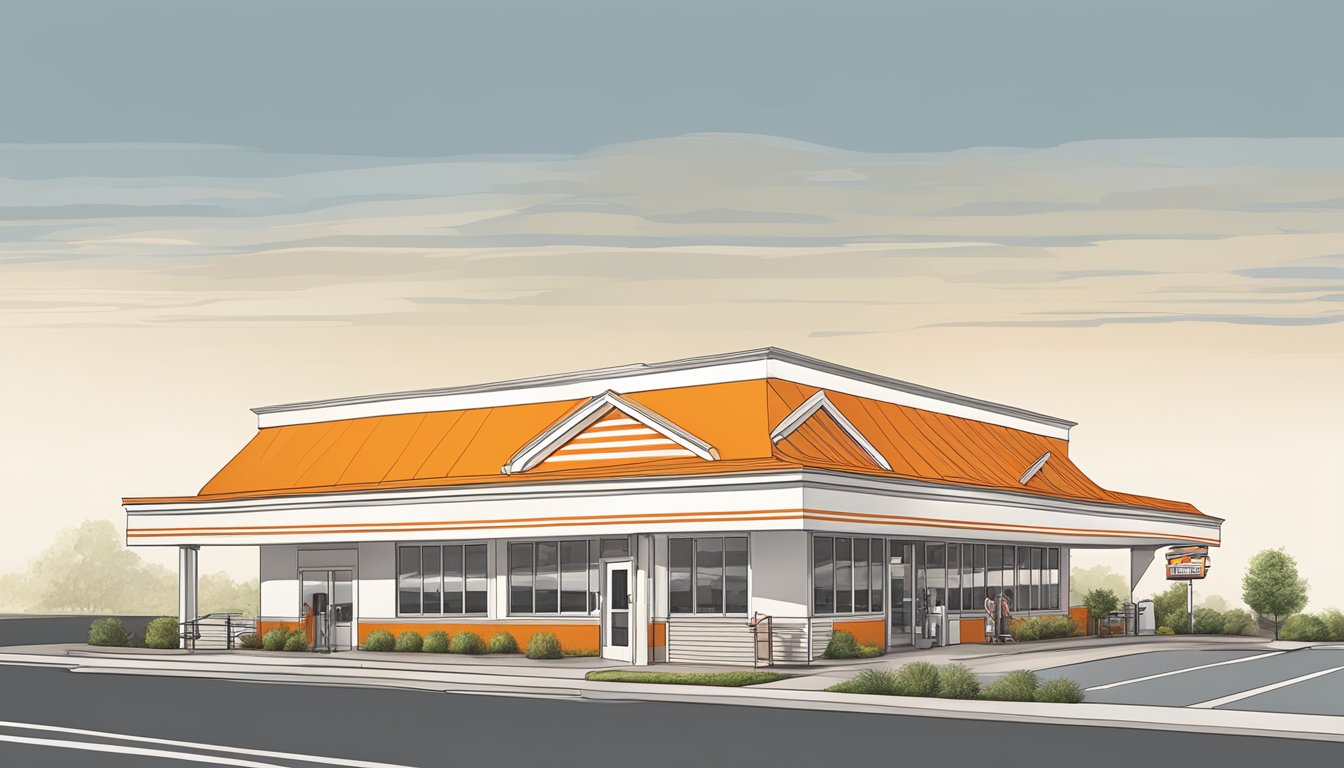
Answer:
[(615, 438)]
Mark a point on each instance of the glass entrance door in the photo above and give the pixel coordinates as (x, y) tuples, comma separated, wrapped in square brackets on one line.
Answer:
[(328, 609), (616, 611), (902, 623)]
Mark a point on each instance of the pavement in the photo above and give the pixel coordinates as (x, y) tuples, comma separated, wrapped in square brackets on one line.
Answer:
[(1181, 684), (52, 717)]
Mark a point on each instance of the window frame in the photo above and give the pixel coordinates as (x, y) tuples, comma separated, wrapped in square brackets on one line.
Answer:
[(694, 572), (876, 581), (420, 548), (593, 549)]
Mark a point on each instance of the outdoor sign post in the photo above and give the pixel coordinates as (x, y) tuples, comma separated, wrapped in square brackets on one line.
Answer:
[(1187, 564)]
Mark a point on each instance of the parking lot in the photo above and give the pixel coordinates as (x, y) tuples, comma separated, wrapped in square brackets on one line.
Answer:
[(1303, 681)]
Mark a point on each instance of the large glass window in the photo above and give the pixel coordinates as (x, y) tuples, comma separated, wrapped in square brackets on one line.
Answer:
[(1052, 580), (432, 579), (557, 576), (520, 578), (847, 574), (707, 575), (954, 577)]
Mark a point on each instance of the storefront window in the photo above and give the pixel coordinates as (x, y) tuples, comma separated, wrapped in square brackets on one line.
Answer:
[(847, 574), (558, 576), (441, 579), (707, 575)]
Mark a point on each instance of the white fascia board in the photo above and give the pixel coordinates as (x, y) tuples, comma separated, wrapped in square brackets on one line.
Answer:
[(819, 402), (542, 446)]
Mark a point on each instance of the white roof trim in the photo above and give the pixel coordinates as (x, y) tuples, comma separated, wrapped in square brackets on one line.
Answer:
[(1034, 468), (543, 445), (819, 402)]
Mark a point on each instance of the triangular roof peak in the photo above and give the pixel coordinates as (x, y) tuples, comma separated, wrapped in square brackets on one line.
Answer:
[(638, 442), (819, 402)]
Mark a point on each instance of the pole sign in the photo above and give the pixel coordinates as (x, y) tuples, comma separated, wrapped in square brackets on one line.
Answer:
[(1186, 563)]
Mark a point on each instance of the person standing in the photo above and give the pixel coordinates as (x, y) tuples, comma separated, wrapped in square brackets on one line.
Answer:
[(991, 600), (1005, 614)]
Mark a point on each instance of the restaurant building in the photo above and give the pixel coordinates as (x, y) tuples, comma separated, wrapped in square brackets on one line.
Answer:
[(650, 512)]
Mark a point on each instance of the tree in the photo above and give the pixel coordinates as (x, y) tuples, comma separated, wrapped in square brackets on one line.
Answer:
[(1169, 608), (1273, 587), (1100, 602), (1084, 580)]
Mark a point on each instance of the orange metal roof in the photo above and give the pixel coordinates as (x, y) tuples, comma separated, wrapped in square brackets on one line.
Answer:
[(466, 447)]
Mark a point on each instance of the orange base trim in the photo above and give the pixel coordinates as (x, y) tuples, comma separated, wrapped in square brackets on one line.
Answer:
[(1079, 614), (871, 632), (573, 637), (658, 635), (973, 631)]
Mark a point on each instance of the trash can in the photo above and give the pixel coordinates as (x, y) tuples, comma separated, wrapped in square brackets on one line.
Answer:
[(1147, 618)]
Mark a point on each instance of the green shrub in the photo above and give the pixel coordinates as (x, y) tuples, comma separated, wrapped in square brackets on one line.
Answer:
[(871, 651), (1044, 628), (162, 633), (1305, 627), (1060, 690), (109, 632), (1100, 602), (1169, 609), (435, 642), (297, 641), (1209, 622), (919, 678), (503, 642), (250, 641), (543, 645), (409, 641), (1164, 630), (275, 638), (736, 679), (1018, 685), (380, 640), (1334, 624), (878, 682), (580, 652), (1239, 622), (468, 643), (957, 681), (842, 645)]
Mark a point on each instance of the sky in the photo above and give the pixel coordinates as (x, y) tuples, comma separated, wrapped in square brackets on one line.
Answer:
[(1128, 216)]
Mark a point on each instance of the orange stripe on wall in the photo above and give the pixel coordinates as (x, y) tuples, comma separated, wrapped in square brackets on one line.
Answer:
[(572, 636), (973, 631), (1080, 615), (657, 635), (868, 632)]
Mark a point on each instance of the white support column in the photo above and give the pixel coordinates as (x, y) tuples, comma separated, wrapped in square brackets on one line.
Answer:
[(187, 572), (641, 613), (1140, 558)]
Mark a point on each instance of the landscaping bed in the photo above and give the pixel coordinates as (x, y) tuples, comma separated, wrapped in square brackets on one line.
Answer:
[(736, 679)]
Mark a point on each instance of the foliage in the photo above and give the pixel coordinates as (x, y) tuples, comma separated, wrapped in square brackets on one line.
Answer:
[(1209, 622), (1060, 690), (918, 678), (435, 642), (1308, 628), (1099, 603), (1044, 628), (870, 651), (1165, 630), (1169, 608), (275, 638), (580, 652), (250, 641), (1018, 685), (1334, 622), (503, 642), (1237, 622), (543, 645), (1272, 586), (162, 632), (297, 641), (468, 643), (957, 681), (877, 682), (1084, 580), (409, 641), (1216, 602), (109, 632), (842, 645), (724, 679), (380, 640), (88, 569)]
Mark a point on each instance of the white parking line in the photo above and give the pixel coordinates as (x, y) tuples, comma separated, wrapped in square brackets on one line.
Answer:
[(1183, 671), (1210, 704), (90, 747), (348, 763)]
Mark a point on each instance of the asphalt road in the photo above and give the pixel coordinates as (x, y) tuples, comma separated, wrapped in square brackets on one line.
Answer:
[(1305, 681), (416, 728)]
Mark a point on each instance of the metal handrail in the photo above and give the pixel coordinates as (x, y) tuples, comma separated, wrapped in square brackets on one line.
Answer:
[(759, 620), (235, 626)]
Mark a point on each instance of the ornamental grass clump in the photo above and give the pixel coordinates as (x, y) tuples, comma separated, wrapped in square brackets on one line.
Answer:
[(380, 640), (162, 633), (842, 645), (1060, 691), (110, 632), (435, 642), (503, 642), (878, 682), (275, 638), (250, 641), (544, 645), (918, 679), (410, 642), (297, 641), (468, 643), (1018, 685), (957, 681)]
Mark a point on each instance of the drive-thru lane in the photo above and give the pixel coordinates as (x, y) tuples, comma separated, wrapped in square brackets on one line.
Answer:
[(1299, 681)]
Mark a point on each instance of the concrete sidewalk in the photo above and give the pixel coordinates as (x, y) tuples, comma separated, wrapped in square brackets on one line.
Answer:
[(564, 678)]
